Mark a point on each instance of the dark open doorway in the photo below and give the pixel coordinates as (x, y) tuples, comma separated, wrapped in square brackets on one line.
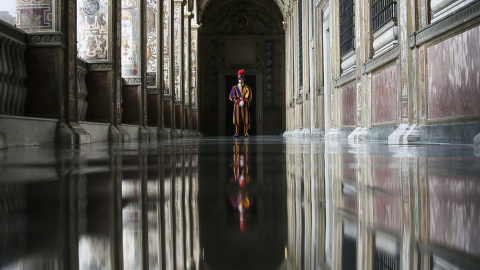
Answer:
[(230, 81)]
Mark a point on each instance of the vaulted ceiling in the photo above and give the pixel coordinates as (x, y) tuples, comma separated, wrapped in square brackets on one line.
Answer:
[(202, 5)]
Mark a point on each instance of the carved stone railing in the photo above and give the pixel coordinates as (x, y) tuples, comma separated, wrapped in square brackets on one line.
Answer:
[(12, 70), (81, 89)]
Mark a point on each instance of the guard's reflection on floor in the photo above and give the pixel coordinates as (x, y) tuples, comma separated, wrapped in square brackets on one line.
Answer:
[(256, 203)]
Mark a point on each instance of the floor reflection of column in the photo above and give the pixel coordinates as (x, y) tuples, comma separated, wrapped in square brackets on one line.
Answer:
[(168, 211), (194, 205), (178, 204)]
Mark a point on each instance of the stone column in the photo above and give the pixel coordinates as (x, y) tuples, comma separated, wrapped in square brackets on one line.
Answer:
[(187, 69), (167, 29), (117, 132), (145, 133), (194, 76), (69, 132)]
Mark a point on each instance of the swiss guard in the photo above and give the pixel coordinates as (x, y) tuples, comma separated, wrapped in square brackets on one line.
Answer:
[(241, 95)]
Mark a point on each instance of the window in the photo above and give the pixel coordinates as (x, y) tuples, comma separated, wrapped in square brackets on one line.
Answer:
[(347, 26), (382, 12)]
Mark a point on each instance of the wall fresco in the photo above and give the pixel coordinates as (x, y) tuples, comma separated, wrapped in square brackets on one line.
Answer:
[(92, 29), (130, 38), (185, 61), (349, 104), (166, 47), (384, 95), (453, 68), (35, 15), (193, 51), (177, 58), (152, 44)]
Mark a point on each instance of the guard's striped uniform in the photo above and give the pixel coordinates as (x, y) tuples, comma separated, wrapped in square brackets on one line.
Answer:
[(241, 114)]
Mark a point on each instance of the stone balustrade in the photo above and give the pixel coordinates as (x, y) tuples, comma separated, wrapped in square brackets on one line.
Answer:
[(12, 70)]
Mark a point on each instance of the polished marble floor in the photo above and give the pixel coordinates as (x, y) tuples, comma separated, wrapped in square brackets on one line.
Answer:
[(248, 203)]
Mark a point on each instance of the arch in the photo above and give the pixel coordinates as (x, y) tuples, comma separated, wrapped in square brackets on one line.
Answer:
[(242, 35)]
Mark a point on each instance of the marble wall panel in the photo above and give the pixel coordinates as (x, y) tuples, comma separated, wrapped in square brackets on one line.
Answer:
[(194, 120), (178, 118), (167, 113), (92, 29), (40, 82), (98, 96), (453, 68), (454, 212), (130, 38), (177, 73), (386, 213), (130, 104), (384, 95), (348, 94), (152, 109), (35, 15)]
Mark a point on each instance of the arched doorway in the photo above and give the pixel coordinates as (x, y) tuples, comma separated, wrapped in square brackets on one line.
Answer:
[(245, 35)]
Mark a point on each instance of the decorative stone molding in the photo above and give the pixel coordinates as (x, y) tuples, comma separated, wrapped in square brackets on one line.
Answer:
[(132, 81), (54, 39), (382, 59), (299, 101), (344, 79), (13, 33), (292, 104), (107, 66), (412, 41), (81, 64), (451, 22)]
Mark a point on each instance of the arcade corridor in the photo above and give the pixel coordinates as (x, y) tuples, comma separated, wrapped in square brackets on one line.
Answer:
[(266, 202)]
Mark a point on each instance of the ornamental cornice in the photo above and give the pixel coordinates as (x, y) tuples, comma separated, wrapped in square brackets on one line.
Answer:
[(453, 21), (50, 39), (382, 59), (13, 33), (344, 79), (107, 66), (132, 81)]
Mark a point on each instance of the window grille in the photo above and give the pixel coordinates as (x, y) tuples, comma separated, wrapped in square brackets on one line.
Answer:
[(347, 26), (382, 12), (300, 43)]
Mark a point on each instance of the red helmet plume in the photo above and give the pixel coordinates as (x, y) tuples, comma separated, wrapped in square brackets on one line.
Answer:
[(241, 74)]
